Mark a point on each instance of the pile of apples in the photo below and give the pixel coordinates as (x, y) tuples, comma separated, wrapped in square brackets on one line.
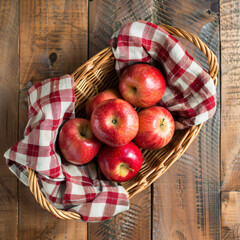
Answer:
[(114, 124)]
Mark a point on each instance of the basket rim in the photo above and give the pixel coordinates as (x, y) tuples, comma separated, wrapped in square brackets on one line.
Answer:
[(188, 138)]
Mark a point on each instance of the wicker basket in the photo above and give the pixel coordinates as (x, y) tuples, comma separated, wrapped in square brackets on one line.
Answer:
[(100, 71)]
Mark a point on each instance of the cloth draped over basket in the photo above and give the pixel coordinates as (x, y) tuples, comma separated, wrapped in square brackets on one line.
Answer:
[(66, 186), (190, 94)]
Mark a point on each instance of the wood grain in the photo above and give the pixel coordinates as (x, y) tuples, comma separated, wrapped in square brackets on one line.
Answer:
[(230, 150), (36, 223), (230, 117), (186, 206), (132, 224), (53, 42), (186, 202), (230, 202), (106, 17), (9, 76)]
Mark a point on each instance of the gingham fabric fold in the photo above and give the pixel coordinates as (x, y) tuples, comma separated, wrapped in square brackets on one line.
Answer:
[(190, 95), (66, 186)]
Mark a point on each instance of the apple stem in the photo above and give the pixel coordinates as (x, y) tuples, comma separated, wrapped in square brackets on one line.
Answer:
[(133, 90), (84, 129), (126, 166), (162, 122), (96, 89)]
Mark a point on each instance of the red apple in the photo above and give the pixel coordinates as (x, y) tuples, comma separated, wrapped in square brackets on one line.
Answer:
[(77, 142), (142, 85), (100, 97), (156, 128), (114, 122), (120, 164)]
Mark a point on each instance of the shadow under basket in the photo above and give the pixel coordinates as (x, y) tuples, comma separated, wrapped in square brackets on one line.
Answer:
[(100, 71)]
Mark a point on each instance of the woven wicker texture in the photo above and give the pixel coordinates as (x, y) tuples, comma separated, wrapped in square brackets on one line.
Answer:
[(100, 71)]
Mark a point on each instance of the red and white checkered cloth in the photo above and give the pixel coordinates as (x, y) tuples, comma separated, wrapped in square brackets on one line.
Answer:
[(66, 186), (190, 95)]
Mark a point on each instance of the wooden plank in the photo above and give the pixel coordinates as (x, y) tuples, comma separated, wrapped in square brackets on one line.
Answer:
[(230, 209), (36, 223), (230, 151), (106, 17), (132, 224), (230, 64), (53, 42), (9, 77), (186, 203)]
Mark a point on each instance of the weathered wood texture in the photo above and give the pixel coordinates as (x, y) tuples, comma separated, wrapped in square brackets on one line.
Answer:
[(230, 215), (106, 17), (9, 76), (186, 200), (230, 117), (230, 150), (36, 223), (53, 42), (130, 225)]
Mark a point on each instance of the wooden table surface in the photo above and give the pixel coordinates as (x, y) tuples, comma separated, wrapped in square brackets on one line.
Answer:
[(199, 196)]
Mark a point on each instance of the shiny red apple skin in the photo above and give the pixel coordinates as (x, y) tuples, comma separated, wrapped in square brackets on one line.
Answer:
[(156, 128), (142, 85), (100, 97), (112, 160), (76, 148), (114, 122)]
